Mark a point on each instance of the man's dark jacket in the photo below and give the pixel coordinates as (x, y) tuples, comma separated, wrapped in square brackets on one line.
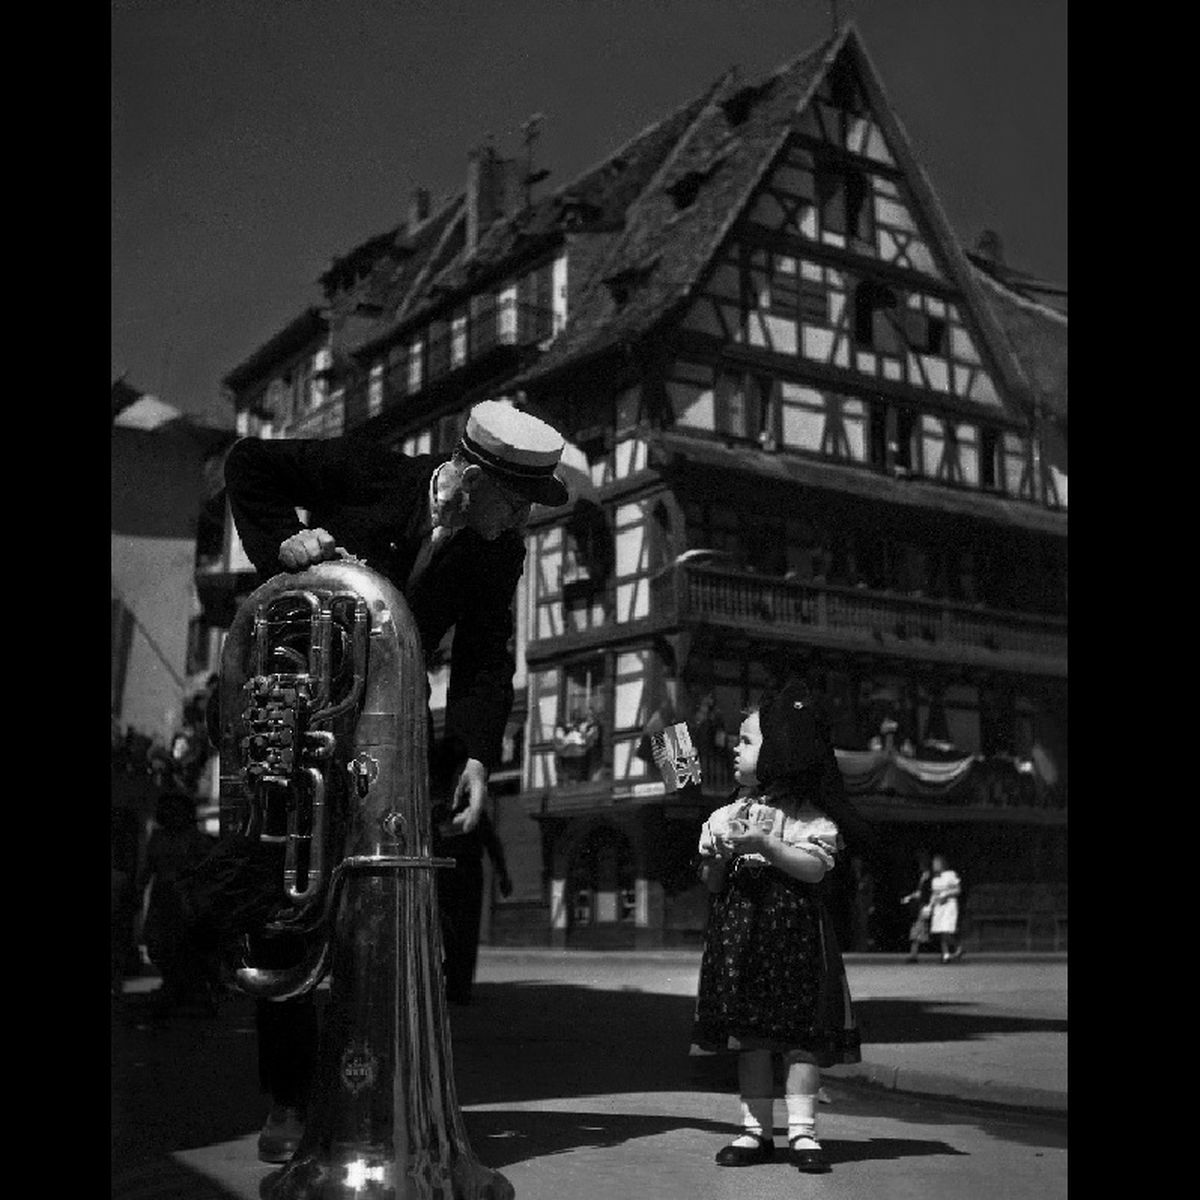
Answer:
[(375, 503)]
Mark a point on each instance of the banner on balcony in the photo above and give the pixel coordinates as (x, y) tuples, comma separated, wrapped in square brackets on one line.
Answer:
[(886, 771)]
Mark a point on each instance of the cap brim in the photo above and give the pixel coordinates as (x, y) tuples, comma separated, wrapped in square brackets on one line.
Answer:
[(550, 491)]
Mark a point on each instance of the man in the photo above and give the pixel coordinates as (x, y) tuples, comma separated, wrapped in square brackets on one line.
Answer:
[(447, 533)]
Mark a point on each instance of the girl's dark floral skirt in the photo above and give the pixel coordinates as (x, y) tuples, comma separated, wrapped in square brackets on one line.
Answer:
[(772, 975)]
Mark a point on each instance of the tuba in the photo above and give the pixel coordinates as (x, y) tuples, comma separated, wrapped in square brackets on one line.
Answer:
[(323, 734)]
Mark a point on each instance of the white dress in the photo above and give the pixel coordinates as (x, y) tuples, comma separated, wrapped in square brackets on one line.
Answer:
[(944, 898)]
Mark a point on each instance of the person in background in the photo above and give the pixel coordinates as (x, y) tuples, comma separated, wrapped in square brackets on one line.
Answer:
[(919, 907), (123, 953), (946, 887), (772, 981), (864, 906), (175, 846)]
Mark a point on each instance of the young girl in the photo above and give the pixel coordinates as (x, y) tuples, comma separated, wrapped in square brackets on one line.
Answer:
[(771, 979)]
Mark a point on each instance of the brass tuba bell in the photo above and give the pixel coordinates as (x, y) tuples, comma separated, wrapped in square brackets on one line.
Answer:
[(323, 751)]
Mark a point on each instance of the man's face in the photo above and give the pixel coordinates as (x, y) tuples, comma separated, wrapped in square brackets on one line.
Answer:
[(494, 508)]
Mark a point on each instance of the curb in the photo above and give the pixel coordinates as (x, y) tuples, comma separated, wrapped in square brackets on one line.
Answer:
[(501, 953), (948, 1087)]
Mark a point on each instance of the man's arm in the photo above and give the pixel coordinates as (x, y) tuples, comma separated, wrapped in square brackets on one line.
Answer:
[(480, 694), (267, 480)]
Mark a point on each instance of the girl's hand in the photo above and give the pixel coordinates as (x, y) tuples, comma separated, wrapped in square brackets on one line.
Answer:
[(748, 837), (724, 848)]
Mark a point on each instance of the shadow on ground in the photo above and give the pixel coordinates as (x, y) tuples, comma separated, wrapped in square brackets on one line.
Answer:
[(162, 1178), (191, 1082), (501, 1138), (908, 1020), (560, 1040)]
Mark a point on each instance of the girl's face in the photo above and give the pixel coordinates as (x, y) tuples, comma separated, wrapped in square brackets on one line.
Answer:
[(745, 756)]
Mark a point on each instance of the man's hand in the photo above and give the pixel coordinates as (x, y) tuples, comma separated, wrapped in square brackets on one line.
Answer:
[(307, 547), (471, 790)]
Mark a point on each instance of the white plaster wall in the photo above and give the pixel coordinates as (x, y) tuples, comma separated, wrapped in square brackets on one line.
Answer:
[(154, 578)]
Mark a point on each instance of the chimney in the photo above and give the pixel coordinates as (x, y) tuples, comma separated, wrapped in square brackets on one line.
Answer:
[(418, 208), (492, 192)]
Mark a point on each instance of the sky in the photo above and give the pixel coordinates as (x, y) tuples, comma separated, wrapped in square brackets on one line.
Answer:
[(255, 141)]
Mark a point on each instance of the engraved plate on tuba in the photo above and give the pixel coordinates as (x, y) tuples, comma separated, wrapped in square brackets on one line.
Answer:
[(323, 753)]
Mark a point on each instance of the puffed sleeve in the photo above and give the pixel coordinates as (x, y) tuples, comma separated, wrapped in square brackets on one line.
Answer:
[(819, 837)]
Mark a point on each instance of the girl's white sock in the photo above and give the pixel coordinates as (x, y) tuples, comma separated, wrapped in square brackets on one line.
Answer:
[(758, 1120), (802, 1121)]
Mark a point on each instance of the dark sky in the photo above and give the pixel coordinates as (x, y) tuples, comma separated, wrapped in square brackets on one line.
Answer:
[(253, 141)]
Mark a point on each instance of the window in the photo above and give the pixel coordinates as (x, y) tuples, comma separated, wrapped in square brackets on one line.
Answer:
[(420, 442), (584, 722), (814, 302), (1018, 473), (506, 315), (740, 405), (875, 318), (842, 194), (543, 716), (772, 287), (458, 340), (536, 295), (902, 443), (925, 334), (446, 433), (279, 401), (766, 546), (988, 457), (438, 358), (801, 417), (415, 349)]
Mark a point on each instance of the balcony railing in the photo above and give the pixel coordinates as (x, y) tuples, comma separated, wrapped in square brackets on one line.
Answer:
[(695, 593)]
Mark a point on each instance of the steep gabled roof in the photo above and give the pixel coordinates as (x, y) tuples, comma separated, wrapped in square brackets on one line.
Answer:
[(676, 226), (1007, 366), (595, 201), (402, 271), (677, 223), (360, 259), (1036, 335)]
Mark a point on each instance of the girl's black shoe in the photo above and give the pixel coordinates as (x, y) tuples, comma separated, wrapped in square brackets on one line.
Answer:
[(811, 1161), (746, 1156)]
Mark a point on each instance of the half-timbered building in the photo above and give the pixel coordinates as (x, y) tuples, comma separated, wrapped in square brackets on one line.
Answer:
[(808, 430)]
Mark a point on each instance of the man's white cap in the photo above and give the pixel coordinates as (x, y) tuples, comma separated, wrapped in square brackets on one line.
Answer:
[(518, 448)]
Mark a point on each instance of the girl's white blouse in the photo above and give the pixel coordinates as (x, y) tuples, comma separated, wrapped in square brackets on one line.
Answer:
[(805, 827)]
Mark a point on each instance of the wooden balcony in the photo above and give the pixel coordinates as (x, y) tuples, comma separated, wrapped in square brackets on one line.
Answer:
[(855, 619)]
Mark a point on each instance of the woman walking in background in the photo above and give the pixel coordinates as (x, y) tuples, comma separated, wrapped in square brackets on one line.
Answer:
[(918, 901), (946, 887)]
